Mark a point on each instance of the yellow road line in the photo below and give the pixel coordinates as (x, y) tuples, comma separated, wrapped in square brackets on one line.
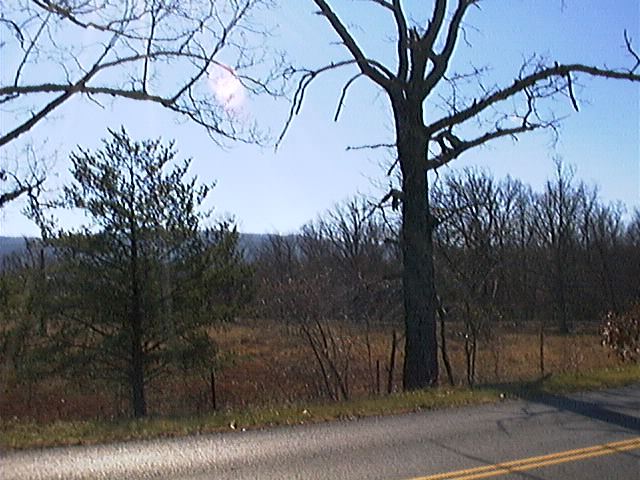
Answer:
[(537, 462), (505, 471)]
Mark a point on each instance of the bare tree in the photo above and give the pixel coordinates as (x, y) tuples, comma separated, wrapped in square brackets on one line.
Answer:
[(633, 229), (358, 237), (336, 275), (422, 144), (607, 229), (298, 283), (557, 209), (518, 241), (474, 211), (160, 51)]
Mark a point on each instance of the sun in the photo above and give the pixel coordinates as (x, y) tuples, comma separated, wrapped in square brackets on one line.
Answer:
[(227, 88)]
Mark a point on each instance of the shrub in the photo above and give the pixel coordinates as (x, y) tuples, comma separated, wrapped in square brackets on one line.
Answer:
[(621, 333)]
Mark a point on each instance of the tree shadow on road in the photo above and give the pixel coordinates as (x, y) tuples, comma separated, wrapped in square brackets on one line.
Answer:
[(605, 406), (603, 410)]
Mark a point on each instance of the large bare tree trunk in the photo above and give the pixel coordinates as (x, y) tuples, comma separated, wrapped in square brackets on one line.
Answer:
[(421, 347)]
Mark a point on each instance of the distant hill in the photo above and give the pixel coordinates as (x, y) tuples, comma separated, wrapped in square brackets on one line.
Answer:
[(9, 245), (249, 243)]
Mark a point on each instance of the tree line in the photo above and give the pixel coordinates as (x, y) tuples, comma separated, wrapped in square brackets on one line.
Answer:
[(558, 259), (131, 296)]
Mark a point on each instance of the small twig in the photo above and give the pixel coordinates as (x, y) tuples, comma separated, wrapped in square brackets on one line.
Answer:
[(393, 166), (571, 94), (372, 146), (344, 94), (94, 100), (630, 49), (298, 97)]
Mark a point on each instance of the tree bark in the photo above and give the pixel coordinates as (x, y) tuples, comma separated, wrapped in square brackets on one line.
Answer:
[(420, 368), (136, 378)]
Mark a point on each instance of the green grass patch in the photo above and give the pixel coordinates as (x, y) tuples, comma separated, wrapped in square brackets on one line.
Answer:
[(17, 434), (593, 380)]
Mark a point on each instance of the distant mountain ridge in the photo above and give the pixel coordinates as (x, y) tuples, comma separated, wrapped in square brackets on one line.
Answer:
[(249, 243), (9, 245)]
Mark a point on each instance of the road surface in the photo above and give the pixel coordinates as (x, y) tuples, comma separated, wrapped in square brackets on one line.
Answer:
[(586, 436)]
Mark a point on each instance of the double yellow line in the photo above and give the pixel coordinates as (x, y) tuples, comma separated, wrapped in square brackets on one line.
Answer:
[(537, 462)]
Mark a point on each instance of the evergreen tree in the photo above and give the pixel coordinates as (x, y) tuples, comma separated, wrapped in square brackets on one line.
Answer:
[(131, 294)]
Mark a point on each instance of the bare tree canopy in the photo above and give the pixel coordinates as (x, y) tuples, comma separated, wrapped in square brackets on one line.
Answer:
[(422, 64), (192, 57)]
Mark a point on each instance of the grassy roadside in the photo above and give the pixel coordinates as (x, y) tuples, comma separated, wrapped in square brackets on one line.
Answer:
[(20, 434)]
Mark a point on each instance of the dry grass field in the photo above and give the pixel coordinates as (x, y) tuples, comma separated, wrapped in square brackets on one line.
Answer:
[(267, 363)]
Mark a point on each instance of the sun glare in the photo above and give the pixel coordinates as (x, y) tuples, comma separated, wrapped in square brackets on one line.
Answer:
[(228, 89)]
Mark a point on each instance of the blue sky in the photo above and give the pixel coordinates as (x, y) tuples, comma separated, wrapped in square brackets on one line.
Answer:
[(269, 191)]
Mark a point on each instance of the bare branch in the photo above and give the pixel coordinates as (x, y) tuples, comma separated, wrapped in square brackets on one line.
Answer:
[(372, 146), (522, 84), (572, 96), (115, 26), (374, 70), (29, 49), (16, 29), (630, 49), (17, 180), (441, 60), (344, 94), (395, 6), (143, 38), (145, 72), (35, 118), (384, 3), (15, 193), (458, 146), (435, 24), (393, 166), (403, 40), (298, 97), (394, 195)]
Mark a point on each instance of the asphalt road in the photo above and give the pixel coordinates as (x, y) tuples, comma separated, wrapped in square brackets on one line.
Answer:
[(587, 436)]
